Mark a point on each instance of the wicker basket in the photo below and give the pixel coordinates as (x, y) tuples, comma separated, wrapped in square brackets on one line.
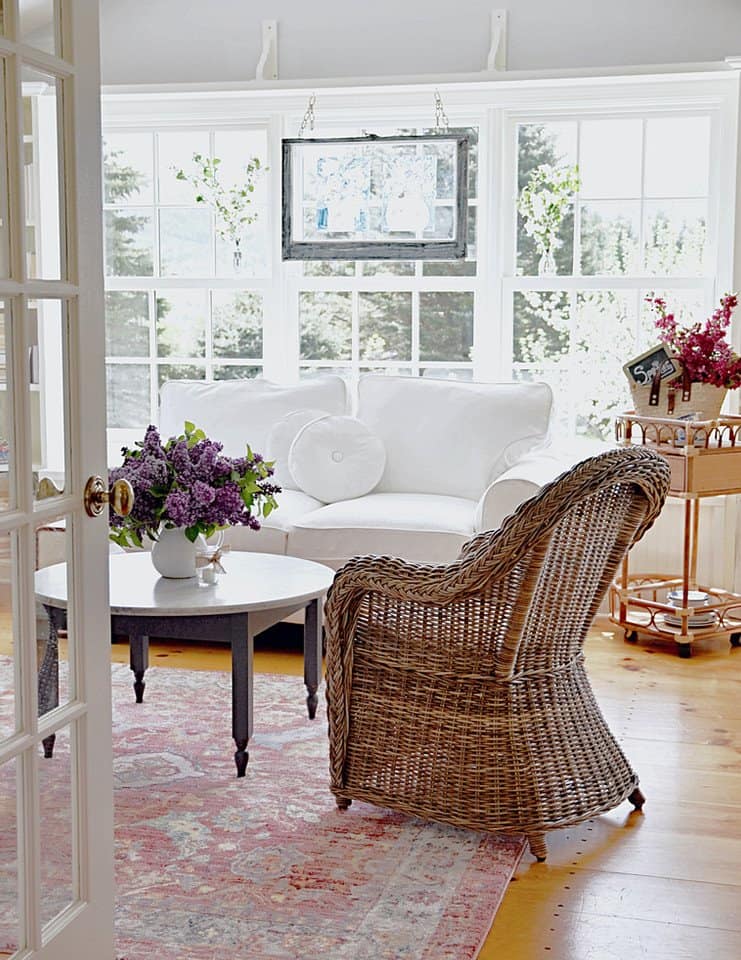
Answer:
[(704, 399)]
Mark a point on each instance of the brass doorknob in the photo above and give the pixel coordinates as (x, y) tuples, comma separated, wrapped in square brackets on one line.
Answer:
[(97, 495)]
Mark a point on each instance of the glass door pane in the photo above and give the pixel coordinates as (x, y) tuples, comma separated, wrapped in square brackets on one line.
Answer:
[(42, 96), (10, 940), (39, 26), (9, 665), (47, 320)]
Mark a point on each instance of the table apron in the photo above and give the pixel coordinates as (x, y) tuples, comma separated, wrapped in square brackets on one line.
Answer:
[(213, 627)]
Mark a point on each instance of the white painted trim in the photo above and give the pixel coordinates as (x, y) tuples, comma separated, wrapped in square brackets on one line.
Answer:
[(360, 106), (397, 84)]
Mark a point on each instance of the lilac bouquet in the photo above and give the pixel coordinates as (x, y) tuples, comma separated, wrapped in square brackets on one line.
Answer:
[(187, 482)]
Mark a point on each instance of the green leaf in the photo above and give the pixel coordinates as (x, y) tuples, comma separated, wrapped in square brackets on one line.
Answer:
[(192, 532), (189, 427)]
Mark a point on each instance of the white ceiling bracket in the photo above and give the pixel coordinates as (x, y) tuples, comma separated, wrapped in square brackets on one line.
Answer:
[(267, 65), (497, 59)]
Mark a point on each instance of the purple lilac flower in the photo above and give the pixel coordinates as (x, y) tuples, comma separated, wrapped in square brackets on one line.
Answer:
[(189, 482), (179, 508), (202, 493)]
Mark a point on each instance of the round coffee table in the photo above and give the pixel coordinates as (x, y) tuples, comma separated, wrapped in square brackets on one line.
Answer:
[(257, 591)]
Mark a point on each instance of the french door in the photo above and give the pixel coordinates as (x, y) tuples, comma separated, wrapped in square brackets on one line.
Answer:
[(56, 818)]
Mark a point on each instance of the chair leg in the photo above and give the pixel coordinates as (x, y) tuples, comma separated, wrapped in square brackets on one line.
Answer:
[(538, 846), (637, 799)]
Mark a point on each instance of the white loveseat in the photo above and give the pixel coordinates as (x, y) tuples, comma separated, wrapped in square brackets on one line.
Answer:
[(459, 457)]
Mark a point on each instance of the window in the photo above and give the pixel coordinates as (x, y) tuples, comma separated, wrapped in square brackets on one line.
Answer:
[(408, 318), (638, 222), (653, 160), (180, 302)]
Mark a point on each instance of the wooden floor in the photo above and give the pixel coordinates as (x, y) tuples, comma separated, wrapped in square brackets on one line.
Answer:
[(665, 884)]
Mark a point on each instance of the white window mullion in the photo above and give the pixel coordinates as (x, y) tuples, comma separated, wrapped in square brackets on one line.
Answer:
[(415, 358), (209, 346), (641, 225), (280, 297), (152, 359), (156, 266), (355, 334), (576, 252), (492, 331)]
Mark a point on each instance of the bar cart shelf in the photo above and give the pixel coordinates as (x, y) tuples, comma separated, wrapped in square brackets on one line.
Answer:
[(704, 457)]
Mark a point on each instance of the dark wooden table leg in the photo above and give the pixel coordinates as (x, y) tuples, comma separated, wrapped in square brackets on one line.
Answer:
[(48, 680), (139, 661), (312, 654), (242, 644)]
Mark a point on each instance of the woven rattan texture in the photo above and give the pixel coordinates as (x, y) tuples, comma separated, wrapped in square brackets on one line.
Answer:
[(458, 692)]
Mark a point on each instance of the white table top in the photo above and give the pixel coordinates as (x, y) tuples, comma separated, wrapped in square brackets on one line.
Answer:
[(253, 581)]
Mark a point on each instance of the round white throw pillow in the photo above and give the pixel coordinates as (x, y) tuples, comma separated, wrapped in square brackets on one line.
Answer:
[(336, 458), (279, 440)]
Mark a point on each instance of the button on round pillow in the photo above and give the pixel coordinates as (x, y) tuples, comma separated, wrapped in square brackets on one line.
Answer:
[(336, 458), (280, 438)]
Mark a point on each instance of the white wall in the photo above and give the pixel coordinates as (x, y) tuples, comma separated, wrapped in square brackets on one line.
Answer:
[(153, 41)]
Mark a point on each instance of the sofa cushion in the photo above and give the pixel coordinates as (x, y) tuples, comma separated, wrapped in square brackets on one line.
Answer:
[(448, 437), (272, 537), (238, 412), (280, 438), (419, 527), (336, 458)]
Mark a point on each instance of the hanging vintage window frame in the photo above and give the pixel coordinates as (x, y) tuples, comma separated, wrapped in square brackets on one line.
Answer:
[(376, 198)]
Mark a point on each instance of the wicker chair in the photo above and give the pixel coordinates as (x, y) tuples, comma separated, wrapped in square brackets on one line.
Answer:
[(458, 692)]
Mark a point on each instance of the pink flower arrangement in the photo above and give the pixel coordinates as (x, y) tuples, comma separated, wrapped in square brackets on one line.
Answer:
[(702, 348)]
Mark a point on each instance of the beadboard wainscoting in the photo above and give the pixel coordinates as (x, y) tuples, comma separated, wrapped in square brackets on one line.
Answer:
[(660, 551)]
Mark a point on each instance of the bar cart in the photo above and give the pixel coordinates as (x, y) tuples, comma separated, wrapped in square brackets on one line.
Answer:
[(705, 461)]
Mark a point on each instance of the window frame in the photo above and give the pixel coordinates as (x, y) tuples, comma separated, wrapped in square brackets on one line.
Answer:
[(492, 106), (573, 284), (157, 284)]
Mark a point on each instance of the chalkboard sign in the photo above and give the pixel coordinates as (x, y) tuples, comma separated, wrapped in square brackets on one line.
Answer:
[(642, 370)]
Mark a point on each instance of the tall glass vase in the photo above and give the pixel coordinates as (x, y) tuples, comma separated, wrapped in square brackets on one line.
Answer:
[(547, 264)]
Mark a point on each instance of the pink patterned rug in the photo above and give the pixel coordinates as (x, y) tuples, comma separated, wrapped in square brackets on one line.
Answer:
[(267, 868)]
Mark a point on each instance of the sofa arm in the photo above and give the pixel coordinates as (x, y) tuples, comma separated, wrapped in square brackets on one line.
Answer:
[(522, 481)]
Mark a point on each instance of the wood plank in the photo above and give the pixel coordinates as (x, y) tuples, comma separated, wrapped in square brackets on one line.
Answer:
[(566, 935), (626, 842), (631, 897)]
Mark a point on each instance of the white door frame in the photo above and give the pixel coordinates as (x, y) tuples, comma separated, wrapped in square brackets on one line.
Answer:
[(84, 928)]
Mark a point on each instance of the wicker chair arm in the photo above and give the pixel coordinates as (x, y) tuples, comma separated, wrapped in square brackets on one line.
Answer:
[(491, 556)]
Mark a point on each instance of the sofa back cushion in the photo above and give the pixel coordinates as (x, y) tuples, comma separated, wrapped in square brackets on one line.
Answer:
[(448, 437), (238, 412)]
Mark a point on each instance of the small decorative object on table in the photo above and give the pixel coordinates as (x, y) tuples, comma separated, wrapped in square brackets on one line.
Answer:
[(185, 490), (705, 365), (209, 564)]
